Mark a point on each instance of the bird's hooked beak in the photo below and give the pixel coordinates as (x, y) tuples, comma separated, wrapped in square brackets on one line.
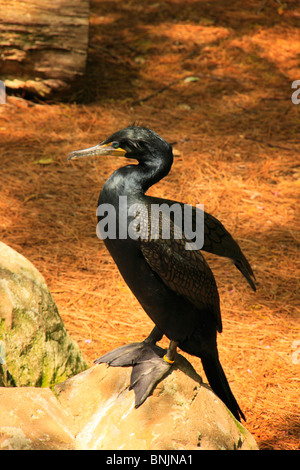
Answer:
[(97, 150)]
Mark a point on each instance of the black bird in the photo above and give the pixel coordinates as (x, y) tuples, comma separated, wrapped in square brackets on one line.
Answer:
[(173, 284)]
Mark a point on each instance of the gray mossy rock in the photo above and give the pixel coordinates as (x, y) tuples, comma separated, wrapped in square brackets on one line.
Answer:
[(35, 348)]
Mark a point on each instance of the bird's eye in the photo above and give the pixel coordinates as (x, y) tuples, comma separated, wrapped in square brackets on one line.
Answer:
[(115, 145)]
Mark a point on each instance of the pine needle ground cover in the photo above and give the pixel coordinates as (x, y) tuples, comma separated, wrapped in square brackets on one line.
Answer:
[(215, 80)]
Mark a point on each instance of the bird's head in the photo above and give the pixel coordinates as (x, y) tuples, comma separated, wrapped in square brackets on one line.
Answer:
[(135, 142)]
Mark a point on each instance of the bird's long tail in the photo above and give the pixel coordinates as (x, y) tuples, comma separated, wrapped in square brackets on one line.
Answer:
[(219, 384)]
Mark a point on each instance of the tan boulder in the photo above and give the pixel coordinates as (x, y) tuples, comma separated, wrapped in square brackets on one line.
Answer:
[(182, 413), (32, 418), (95, 410)]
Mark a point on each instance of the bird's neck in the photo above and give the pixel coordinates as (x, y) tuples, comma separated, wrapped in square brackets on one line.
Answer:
[(150, 173), (137, 179)]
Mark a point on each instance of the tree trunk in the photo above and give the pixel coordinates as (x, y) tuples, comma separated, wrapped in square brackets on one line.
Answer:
[(43, 44)]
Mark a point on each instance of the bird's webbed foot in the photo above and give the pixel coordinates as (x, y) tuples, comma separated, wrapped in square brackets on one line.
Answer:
[(150, 364), (147, 372), (130, 354)]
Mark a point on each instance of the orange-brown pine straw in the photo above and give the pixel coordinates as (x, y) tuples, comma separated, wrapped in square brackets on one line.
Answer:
[(237, 142)]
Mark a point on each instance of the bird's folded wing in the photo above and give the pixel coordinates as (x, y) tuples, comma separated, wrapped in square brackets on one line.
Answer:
[(217, 240), (184, 271)]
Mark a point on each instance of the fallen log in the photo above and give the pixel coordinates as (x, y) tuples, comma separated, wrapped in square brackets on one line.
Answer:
[(43, 45)]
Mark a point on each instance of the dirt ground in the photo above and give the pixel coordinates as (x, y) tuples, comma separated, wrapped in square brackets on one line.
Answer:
[(214, 77)]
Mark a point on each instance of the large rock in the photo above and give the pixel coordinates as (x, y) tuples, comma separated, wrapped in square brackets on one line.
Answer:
[(35, 348), (32, 419), (182, 413), (95, 410)]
